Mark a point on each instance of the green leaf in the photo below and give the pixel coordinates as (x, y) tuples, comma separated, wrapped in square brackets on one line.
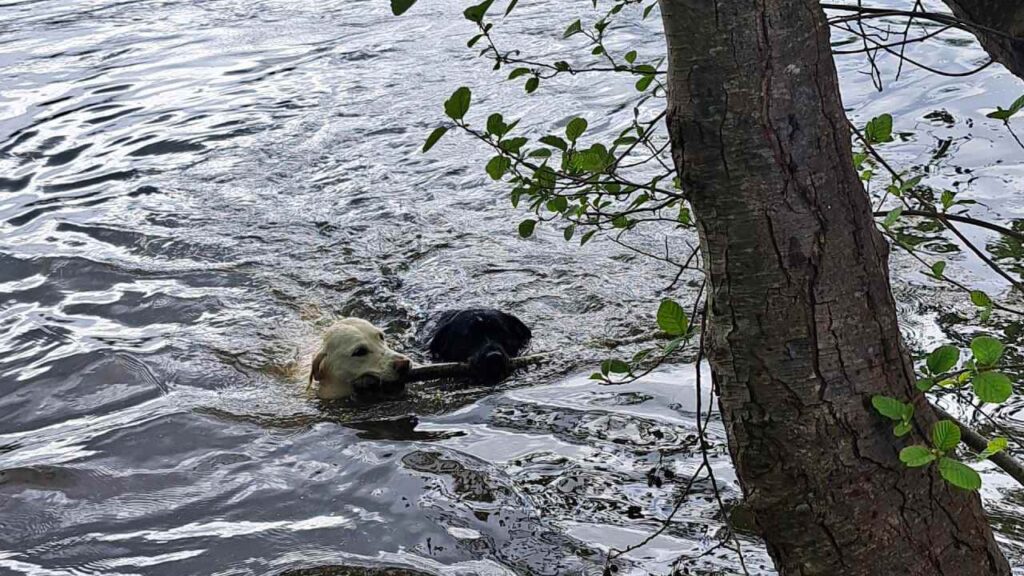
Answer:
[(498, 166), (942, 359), (925, 384), (398, 7), (555, 142), (987, 350), (435, 135), (959, 474), (938, 268), (476, 13), (892, 217), (518, 72), (992, 387), (526, 228), (511, 5), (586, 237), (945, 435), (574, 28), (496, 124), (630, 56), (995, 446), (594, 159), (576, 127), (644, 83), (532, 84), (999, 114), (457, 106), (540, 153), (901, 429), (879, 129), (672, 318), (916, 456), (647, 11), (1017, 105), (615, 367), (892, 408), (545, 177), (947, 199), (568, 232), (558, 204), (980, 299), (513, 144)]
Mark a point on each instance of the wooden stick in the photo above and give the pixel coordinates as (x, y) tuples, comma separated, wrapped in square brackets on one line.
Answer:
[(461, 369)]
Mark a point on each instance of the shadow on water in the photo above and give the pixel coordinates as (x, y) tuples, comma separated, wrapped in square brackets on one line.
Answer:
[(190, 191)]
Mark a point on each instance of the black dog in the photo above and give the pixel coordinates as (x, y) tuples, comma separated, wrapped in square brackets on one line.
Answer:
[(482, 337)]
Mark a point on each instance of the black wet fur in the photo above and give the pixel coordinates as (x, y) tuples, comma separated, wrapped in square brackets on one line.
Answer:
[(484, 338)]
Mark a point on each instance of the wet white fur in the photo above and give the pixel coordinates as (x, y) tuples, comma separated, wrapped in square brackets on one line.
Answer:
[(337, 369)]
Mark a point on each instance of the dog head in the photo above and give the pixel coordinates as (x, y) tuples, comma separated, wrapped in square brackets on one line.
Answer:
[(483, 337), (355, 361)]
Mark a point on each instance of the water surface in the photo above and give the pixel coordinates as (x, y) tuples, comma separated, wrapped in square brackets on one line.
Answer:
[(189, 191)]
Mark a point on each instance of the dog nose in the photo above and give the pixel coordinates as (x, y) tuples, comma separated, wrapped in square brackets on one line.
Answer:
[(402, 366)]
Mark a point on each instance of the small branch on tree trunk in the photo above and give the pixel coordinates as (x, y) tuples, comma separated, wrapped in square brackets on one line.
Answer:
[(963, 219), (978, 443)]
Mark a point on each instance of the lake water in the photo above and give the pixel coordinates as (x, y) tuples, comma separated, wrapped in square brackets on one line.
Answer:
[(190, 191)]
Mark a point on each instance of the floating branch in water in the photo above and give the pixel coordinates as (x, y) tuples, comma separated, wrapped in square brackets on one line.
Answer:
[(462, 370)]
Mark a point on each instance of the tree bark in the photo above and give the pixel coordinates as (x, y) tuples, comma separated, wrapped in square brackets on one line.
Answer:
[(1004, 16), (802, 327)]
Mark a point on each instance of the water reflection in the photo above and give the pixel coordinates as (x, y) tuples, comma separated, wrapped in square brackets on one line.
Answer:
[(190, 191)]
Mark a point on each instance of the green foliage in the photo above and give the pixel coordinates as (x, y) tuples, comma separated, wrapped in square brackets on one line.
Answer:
[(573, 29), (614, 367), (980, 299), (879, 129), (892, 408), (458, 104), (1005, 115), (434, 136), (476, 13), (945, 435), (995, 446), (575, 128), (916, 456), (398, 7), (672, 318), (526, 227), (992, 387), (942, 359), (959, 474), (987, 350), (892, 216), (497, 167)]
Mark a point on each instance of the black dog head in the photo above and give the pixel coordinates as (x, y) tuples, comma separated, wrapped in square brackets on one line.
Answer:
[(483, 337)]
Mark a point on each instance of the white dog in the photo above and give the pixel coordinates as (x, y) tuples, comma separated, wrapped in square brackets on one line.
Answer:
[(354, 360)]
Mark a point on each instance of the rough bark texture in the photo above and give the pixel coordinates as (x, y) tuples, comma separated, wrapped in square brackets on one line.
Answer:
[(802, 325), (1005, 16)]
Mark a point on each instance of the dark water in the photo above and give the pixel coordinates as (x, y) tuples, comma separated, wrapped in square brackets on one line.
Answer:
[(189, 191)]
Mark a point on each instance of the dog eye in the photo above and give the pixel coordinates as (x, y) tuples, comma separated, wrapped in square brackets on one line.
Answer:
[(361, 351)]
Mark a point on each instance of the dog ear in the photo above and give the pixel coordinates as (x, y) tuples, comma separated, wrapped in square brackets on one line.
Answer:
[(519, 331), (439, 345), (315, 370)]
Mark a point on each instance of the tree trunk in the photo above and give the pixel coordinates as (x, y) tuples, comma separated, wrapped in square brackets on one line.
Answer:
[(1005, 16), (802, 327)]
